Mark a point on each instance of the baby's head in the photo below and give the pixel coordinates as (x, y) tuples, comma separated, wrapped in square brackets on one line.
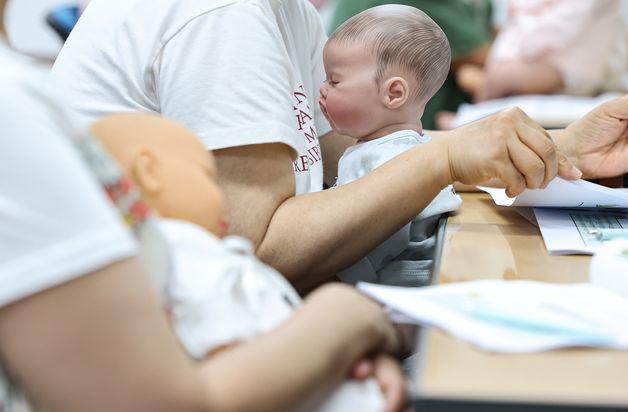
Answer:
[(382, 67), (176, 174)]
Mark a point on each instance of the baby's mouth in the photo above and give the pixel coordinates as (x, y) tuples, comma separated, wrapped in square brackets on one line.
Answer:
[(324, 110)]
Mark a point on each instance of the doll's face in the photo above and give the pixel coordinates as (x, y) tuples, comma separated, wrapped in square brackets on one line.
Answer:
[(190, 191), (349, 97), (175, 172)]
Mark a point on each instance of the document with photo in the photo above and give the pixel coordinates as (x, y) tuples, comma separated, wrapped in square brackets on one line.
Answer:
[(578, 231)]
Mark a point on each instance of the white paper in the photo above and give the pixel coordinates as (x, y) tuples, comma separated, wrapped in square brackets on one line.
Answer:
[(582, 314), (563, 193)]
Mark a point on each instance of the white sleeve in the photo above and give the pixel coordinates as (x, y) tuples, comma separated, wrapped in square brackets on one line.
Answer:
[(226, 75), (318, 39), (56, 223)]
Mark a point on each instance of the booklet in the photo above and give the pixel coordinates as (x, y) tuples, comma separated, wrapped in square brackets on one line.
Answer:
[(575, 217), (579, 231)]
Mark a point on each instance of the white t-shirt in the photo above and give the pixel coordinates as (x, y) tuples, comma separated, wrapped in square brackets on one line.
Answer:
[(56, 223), (222, 294), (236, 72)]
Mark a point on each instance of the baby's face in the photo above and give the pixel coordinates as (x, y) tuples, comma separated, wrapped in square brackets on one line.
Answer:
[(349, 97)]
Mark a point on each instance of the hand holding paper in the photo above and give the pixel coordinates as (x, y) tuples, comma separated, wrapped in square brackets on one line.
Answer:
[(565, 194)]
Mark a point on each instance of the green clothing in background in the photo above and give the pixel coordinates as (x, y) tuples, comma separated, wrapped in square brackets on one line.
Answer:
[(467, 24)]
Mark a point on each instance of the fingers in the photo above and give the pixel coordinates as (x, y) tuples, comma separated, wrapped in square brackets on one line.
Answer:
[(534, 157), (511, 147), (543, 169), (553, 161), (527, 167), (566, 169), (391, 382), (617, 108), (514, 181), (362, 369)]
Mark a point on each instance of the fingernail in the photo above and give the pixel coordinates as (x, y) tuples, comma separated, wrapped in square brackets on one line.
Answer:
[(577, 172)]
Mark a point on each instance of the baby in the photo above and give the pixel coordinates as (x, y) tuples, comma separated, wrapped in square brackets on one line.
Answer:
[(219, 293), (382, 67)]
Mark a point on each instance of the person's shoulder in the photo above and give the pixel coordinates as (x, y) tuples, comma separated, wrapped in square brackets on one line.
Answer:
[(147, 16)]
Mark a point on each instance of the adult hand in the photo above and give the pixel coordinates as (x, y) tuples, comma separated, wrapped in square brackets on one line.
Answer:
[(387, 371), (508, 146), (598, 142), (347, 309)]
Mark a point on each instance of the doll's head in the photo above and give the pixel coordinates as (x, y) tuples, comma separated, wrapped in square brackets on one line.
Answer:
[(382, 67), (175, 173)]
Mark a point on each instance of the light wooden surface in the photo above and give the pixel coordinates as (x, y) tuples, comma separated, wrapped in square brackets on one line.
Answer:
[(486, 241)]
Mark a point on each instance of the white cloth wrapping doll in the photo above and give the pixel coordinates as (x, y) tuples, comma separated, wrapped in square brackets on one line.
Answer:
[(221, 294)]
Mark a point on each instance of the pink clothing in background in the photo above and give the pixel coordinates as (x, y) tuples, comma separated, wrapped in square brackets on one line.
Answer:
[(318, 3), (585, 40)]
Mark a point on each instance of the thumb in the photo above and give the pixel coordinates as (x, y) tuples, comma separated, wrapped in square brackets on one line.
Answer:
[(566, 169), (617, 108)]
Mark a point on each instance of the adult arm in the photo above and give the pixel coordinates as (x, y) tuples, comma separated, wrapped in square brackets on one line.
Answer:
[(98, 343), (312, 346), (333, 145), (101, 342), (312, 236)]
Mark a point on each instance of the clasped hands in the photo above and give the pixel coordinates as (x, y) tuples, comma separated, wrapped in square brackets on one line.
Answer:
[(508, 146), (513, 148)]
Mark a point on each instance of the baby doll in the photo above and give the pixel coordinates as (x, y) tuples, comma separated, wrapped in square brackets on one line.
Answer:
[(219, 293), (382, 67)]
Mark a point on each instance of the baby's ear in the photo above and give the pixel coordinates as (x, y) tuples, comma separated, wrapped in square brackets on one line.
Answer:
[(395, 92), (146, 173)]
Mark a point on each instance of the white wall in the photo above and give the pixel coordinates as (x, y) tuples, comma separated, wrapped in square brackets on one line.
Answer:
[(27, 28)]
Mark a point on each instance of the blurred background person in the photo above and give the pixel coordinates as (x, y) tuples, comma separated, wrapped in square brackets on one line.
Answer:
[(552, 47)]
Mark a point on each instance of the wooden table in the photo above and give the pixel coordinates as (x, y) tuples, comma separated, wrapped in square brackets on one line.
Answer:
[(486, 241)]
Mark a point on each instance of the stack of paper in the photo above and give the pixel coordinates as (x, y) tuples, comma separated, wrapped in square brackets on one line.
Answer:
[(514, 316), (572, 214)]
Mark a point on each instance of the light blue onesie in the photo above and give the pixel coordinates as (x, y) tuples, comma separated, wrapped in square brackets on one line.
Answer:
[(405, 257)]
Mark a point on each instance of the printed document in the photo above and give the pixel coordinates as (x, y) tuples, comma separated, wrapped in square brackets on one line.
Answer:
[(513, 316), (571, 214)]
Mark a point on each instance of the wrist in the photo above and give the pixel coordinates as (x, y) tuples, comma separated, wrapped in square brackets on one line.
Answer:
[(441, 161), (353, 317)]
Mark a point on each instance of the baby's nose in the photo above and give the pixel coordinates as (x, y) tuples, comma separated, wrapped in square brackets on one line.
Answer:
[(323, 90)]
